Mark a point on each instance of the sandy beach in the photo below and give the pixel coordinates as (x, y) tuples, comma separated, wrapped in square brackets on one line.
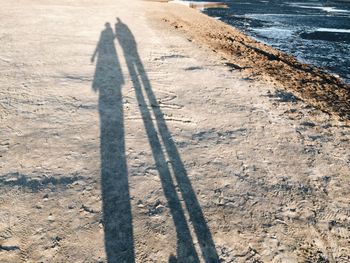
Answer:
[(144, 131)]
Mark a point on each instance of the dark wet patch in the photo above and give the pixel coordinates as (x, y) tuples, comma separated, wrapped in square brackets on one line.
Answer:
[(326, 36), (283, 96), (171, 57), (234, 66), (193, 68), (9, 248), (308, 124), (248, 79)]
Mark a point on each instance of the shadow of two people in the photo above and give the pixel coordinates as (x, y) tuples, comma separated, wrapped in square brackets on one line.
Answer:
[(117, 217)]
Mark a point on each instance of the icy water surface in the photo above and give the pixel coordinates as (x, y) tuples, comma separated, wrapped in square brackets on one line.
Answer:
[(316, 32)]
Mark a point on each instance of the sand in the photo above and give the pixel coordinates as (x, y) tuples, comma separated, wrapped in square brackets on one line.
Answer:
[(163, 147)]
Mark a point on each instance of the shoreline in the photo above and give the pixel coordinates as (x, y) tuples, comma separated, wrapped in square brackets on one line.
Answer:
[(260, 61)]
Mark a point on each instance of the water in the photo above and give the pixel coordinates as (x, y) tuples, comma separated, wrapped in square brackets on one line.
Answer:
[(316, 32)]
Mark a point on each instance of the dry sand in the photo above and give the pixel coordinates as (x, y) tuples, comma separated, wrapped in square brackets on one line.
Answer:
[(179, 158)]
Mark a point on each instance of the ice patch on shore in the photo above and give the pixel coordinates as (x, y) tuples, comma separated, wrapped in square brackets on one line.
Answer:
[(274, 32), (334, 30), (328, 9)]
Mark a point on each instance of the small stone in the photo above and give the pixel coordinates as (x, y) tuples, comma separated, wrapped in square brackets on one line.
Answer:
[(39, 206), (51, 218)]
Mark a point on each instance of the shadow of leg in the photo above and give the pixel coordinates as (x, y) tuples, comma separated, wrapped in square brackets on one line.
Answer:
[(185, 248), (140, 79)]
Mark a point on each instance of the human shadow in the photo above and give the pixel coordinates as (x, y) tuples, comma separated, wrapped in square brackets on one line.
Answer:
[(117, 218), (186, 251)]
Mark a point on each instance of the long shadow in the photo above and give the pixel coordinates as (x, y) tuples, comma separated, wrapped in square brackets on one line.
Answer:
[(35, 185), (185, 248), (117, 218)]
